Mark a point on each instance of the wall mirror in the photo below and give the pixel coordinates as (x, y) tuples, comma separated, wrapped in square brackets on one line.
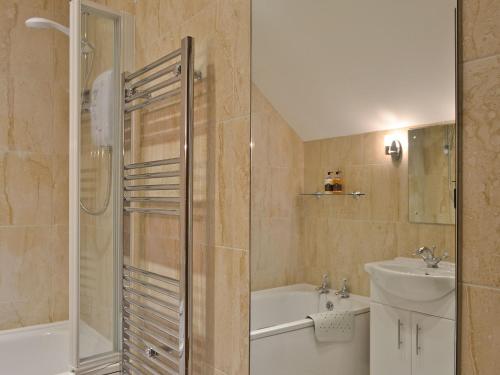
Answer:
[(431, 174), (353, 236)]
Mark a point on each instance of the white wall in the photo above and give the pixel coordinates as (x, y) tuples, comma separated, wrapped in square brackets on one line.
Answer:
[(336, 67)]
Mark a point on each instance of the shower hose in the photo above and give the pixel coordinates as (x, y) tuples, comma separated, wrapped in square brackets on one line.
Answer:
[(100, 211)]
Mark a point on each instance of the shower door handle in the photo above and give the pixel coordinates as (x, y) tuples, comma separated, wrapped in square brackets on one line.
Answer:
[(400, 342), (417, 339)]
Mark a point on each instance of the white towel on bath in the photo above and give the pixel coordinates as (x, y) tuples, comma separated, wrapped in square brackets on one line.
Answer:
[(333, 326)]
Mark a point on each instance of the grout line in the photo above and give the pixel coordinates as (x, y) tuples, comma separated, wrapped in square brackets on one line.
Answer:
[(29, 152), (373, 221), (234, 119), (479, 286), (480, 58), (232, 248), (30, 226), (212, 3)]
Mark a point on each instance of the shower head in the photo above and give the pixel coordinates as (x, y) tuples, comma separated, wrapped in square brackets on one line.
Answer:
[(43, 23), (87, 48)]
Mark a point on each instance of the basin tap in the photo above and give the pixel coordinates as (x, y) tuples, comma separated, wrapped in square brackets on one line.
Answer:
[(324, 288), (344, 290), (427, 254)]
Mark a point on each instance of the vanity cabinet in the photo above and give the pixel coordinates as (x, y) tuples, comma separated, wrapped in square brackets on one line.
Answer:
[(433, 345), (390, 340), (404, 342)]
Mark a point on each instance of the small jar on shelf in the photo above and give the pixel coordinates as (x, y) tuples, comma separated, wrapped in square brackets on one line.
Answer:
[(338, 182)]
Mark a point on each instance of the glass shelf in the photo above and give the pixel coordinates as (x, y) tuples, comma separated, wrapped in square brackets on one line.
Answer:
[(319, 194)]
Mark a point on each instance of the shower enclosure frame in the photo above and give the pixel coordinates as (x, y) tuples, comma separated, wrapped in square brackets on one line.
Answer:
[(123, 30)]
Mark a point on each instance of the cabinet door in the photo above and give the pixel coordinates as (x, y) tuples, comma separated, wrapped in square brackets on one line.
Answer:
[(434, 345), (390, 340)]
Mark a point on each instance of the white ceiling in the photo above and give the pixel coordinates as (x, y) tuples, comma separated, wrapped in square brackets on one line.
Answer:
[(339, 67)]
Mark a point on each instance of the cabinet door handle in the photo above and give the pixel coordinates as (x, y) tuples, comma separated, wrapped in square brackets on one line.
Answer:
[(417, 334), (400, 342)]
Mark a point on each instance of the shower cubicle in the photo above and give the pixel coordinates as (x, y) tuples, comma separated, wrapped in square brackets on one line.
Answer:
[(129, 290)]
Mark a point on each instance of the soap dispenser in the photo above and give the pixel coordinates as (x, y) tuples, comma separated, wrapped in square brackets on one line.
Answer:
[(338, 182), (329, 183)]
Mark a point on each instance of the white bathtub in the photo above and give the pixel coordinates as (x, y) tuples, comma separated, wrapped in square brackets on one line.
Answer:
[(283, 340), (44, 349), (35, 350)]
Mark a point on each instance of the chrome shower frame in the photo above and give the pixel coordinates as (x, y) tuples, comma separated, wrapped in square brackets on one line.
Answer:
[(104, 362)]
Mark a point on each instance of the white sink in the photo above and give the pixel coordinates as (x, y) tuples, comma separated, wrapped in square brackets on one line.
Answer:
[(410, 279)]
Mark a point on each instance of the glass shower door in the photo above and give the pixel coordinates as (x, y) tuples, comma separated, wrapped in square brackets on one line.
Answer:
[(95, 184), (97, 144)]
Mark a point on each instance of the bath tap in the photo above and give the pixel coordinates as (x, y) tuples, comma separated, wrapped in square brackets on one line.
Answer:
[(344, 290), (324, 288), (427, 254)]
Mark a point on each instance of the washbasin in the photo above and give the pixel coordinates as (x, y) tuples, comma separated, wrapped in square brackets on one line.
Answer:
[(410, 279)]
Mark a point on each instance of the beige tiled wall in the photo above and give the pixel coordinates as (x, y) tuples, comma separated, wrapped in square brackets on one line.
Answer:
[(33, 229), (299, 238), (277, 179), (340, 234), (221, 29), (480, 278), (33, 166)]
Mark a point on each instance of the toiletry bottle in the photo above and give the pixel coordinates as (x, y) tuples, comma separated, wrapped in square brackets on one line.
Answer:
[(329, 183), (338, 182)]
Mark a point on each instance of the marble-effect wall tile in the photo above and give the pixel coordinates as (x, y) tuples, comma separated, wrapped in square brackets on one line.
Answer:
[(480, 331), (481, 29), (480, 179), (481, 176), (25, 281), (33, 166), (299, 238), (222, 165), (277, 181), (340, 234)]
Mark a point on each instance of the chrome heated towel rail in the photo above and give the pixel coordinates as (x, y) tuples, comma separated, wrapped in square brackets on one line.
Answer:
[(156, 308)]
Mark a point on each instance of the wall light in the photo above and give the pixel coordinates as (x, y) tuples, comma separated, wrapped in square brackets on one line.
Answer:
[(393, 147)]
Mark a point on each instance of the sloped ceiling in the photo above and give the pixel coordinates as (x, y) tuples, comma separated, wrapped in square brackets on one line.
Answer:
[(340, 67)]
